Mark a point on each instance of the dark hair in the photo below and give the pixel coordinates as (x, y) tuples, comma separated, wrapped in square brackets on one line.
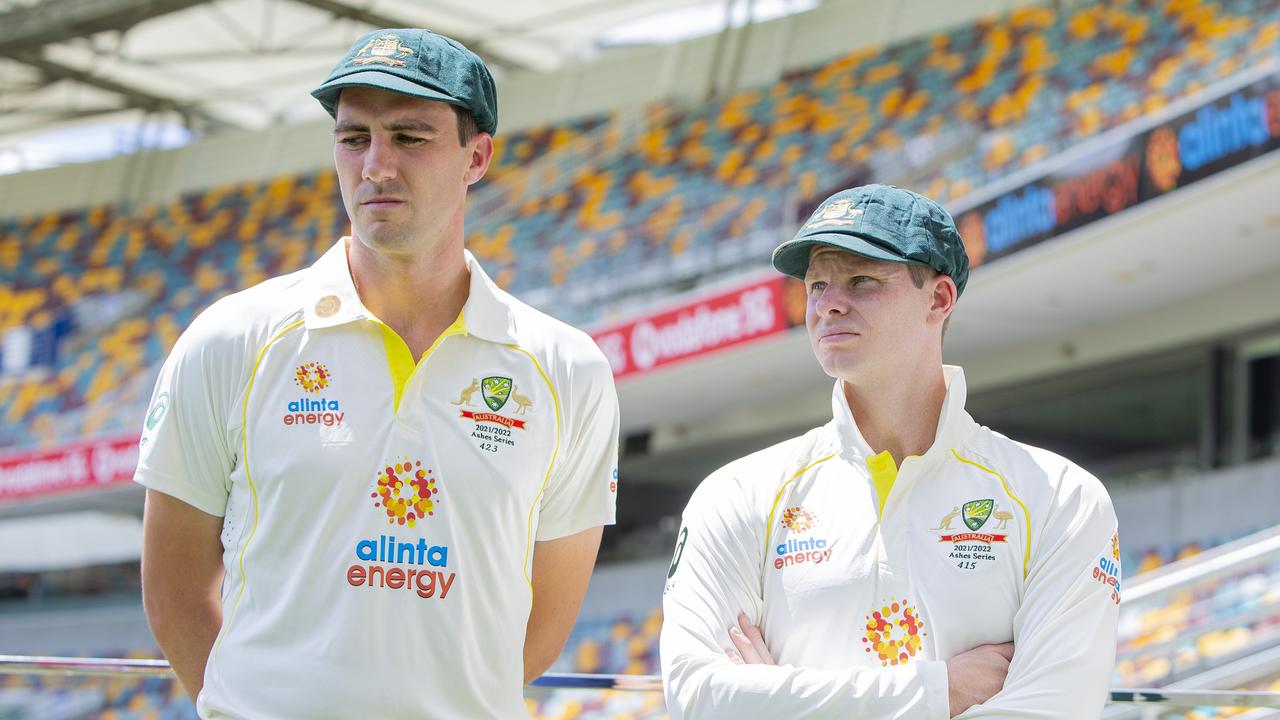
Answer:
[(467, 127)]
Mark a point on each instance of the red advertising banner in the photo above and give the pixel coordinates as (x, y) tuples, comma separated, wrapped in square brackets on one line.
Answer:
[(79, 466), (756, 310)]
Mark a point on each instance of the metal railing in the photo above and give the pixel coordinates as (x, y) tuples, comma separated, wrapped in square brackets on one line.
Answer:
[(1196, 584), (120, 667)]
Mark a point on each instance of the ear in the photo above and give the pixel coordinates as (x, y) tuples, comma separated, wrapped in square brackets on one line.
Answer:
[(481, 155), (943, 298)]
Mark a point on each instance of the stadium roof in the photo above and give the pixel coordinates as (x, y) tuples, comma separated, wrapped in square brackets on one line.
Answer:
[(206, 65)]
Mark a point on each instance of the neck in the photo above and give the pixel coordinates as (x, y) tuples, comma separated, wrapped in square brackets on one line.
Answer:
[(899, 415), (417, 295)]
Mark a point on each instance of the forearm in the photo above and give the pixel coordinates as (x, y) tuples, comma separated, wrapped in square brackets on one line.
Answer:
[(704, 687), (538, 656), (185, 633), (561, 571), (546, 633), (1045, 687)]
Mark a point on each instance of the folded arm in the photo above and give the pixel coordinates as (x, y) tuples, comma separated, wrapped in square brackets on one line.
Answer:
[(715, 575)]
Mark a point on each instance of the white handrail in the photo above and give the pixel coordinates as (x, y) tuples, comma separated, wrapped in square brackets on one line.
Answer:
[(121, 667), (1219, 561)]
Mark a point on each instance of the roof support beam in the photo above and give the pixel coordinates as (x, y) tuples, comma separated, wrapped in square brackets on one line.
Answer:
[(133, 96), (341, 9), (51, 21)]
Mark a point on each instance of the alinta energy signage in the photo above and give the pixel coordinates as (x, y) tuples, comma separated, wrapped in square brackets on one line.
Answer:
[(1237, 126), (1106, 178)]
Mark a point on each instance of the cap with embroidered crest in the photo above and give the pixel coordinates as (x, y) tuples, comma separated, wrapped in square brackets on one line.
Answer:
[(416, 62), (880, 222)]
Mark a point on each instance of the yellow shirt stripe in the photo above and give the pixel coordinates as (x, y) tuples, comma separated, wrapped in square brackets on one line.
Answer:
[(253, 491), (555, 398)]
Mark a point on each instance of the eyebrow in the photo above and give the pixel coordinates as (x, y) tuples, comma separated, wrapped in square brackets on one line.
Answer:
[(397, 126)]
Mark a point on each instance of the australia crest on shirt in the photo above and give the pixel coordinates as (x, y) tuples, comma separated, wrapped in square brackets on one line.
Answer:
[(973, 532), (498, 408)]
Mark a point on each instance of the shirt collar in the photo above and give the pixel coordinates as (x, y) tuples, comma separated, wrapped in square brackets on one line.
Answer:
[(332, 299), (954, 423)]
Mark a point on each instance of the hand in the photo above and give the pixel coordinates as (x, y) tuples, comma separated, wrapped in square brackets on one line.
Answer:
[(748, 644), (975, 675)]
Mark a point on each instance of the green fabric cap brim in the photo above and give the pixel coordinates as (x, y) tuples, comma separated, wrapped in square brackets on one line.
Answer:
[(792, 257), (328, 93)]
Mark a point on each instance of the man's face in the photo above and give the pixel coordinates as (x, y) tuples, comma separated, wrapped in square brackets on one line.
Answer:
[(865, 317), (401, 169)]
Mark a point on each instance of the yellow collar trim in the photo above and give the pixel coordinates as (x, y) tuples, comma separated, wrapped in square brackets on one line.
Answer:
[(400, 360)]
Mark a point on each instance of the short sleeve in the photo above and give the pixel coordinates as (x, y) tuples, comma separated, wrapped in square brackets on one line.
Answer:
[(582, 489), (185, 450)]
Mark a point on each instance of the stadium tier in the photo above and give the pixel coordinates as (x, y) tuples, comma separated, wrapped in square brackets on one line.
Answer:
[(613, 208)]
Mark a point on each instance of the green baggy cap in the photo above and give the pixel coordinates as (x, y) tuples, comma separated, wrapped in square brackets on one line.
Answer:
[(880, 222), (416, 62)]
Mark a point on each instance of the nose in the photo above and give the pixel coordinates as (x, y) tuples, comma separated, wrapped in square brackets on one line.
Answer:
[(379, 165), (831, 302)]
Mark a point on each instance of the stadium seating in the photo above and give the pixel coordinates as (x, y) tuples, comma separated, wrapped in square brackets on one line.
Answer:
[(580, 201), (109, 699), (1197, 627)]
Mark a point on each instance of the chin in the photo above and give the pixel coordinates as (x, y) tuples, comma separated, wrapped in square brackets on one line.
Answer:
[(386, 239), (839, 367)]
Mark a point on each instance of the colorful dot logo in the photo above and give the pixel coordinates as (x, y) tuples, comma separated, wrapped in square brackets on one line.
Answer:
[(312, 377), (894, 633), (406, 492), (1115, 546), (1164, 164), (798, 520)]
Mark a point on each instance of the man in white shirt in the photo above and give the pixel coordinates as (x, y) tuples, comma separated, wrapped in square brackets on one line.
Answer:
[(376, 486), (900, 561)]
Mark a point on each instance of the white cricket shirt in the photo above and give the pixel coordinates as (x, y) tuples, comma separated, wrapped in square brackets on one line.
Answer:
[(864, 578), (379, 513)]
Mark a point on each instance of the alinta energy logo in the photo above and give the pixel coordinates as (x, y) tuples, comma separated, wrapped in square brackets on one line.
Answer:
[(797, 519), (800, 550), (407, 493), (895, 633), (313, 378), (1107, 571), (1163, 164)]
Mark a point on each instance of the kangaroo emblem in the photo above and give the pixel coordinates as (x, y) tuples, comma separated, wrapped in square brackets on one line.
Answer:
[(464, 398), (949, 518)]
